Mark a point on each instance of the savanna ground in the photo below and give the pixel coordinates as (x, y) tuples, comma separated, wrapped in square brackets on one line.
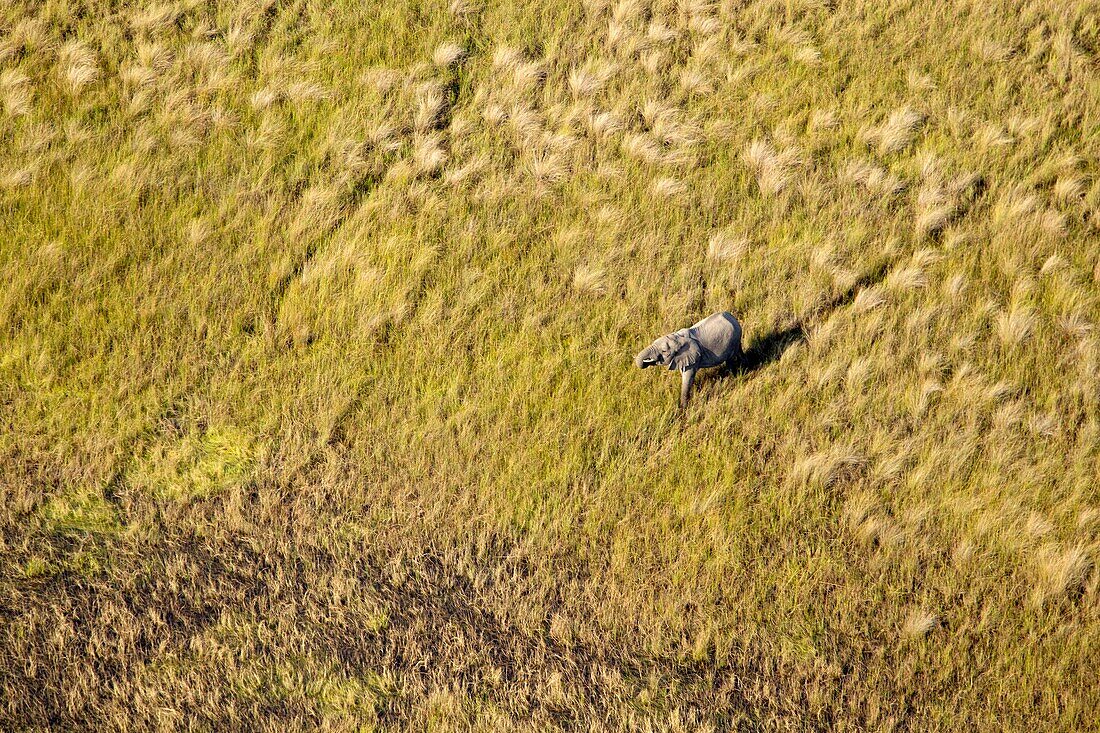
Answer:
[(316, 396)]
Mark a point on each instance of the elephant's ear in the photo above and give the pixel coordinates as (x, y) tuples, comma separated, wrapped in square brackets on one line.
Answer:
[(687, 356)]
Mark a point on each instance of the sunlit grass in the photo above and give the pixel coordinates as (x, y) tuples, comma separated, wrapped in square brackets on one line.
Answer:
[(316, 385)]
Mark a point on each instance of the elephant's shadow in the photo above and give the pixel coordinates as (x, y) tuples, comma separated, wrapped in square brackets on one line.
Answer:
[(764, 351), (769, 348)]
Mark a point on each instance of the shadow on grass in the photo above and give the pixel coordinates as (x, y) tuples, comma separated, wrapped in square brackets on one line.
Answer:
[(770, 347)]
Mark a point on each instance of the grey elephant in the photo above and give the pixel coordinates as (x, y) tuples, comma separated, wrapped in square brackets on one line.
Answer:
[(711, 342)]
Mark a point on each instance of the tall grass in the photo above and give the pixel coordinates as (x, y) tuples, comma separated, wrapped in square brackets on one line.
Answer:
[(315, 377)]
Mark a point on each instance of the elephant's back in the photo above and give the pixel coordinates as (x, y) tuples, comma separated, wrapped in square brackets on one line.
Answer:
[(716, 324), (720, 334)]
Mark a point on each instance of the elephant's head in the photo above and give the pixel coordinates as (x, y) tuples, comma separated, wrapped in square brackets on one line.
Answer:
[(676, 351)]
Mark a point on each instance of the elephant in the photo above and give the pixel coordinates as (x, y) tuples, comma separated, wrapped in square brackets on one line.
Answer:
[(711, 342)]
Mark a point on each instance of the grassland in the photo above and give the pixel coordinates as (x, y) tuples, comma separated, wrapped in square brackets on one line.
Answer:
[(316, 400)]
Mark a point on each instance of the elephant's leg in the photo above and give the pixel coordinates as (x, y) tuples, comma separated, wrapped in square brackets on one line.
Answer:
[(687, 378), (735, 359)]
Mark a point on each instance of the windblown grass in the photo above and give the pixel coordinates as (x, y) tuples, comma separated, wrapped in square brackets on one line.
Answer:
[(315, 381)]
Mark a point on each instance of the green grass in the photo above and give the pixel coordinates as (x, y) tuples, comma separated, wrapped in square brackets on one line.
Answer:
[(316, 392)]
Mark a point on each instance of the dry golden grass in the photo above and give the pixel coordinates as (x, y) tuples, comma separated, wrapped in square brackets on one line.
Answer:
[(316, 398)]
